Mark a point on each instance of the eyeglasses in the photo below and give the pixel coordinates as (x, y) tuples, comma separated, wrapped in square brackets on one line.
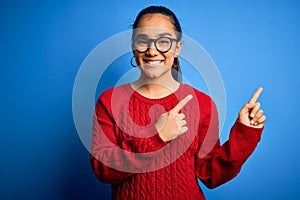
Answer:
[(162, 44)]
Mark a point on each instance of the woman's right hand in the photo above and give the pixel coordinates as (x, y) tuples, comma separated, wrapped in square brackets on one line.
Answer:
[(172, 124)]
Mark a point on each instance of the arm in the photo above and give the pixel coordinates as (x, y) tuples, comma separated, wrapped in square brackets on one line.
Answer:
[(113, 160), (216, 164)]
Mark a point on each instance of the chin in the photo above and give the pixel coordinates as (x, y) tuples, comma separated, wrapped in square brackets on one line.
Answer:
[(152, 76)]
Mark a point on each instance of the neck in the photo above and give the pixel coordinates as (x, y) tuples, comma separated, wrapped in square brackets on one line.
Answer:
[(156, 87)]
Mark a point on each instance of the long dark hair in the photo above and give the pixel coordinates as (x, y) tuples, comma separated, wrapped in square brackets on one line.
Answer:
[(176, 72)]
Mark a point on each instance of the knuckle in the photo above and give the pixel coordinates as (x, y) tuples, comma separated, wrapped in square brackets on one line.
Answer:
[(251, 104), (171, 112), (262, 119)]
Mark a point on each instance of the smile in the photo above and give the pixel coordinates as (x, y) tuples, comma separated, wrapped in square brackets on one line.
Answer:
[(153, 62)]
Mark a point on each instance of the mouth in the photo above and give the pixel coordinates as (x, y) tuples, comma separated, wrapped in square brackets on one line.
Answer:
[(153, 62)]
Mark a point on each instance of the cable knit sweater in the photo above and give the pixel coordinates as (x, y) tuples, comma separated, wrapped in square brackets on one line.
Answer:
[(128, 152)]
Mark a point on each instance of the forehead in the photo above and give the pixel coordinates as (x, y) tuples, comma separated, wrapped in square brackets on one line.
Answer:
[(154, 25)]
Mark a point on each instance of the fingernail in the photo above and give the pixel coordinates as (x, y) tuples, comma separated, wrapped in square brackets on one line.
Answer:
[(252, 122), (252, 115)]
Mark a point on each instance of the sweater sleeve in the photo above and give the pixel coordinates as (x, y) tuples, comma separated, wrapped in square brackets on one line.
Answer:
[(216, 164), (112, 160)]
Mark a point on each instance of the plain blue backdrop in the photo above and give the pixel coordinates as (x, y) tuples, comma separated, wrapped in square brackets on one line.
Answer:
[(43, 43)]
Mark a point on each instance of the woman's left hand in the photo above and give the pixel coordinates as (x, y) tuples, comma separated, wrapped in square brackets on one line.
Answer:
[(251, 114)]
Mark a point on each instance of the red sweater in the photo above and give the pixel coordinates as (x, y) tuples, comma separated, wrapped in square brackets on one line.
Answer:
[(128, 153)]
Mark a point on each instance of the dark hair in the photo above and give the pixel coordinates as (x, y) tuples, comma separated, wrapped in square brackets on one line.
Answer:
[(176, 73)]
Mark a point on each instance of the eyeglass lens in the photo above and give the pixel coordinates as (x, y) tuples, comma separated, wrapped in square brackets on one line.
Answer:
[(162, 44)]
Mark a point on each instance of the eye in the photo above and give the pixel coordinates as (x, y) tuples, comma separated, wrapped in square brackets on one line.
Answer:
[(164, 41), (141, 41)]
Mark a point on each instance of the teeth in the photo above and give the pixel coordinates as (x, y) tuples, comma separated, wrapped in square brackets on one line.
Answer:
[(153, 62)]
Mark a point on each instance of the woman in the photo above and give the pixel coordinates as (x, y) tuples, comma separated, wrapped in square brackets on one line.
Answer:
[(154, 137)]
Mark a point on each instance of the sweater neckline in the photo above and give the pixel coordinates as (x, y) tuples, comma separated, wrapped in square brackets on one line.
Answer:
[(171, 97)]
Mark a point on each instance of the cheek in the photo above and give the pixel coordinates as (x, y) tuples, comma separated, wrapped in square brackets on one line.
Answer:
[(138, 57), (169, 59)]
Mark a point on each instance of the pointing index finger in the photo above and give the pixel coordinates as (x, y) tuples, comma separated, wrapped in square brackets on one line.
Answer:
[(256, 95), (182, 103)]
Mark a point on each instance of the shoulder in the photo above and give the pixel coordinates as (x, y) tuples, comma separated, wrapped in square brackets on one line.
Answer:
[(110, 99), (118, 91)]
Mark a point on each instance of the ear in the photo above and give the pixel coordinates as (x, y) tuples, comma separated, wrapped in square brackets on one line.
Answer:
[(178, 49)]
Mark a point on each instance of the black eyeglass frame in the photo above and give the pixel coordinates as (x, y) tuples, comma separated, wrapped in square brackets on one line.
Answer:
[(149, 41)]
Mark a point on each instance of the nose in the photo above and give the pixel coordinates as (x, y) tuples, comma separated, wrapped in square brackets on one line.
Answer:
[(151, 51)]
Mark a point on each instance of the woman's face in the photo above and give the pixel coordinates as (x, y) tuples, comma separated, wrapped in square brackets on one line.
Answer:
[(155, 62)]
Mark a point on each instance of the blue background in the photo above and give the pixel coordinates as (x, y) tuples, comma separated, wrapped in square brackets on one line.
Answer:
[(43, 43)]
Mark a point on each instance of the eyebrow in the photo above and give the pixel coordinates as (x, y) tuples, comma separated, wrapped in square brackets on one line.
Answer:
[(160, 35), (165, 34)]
